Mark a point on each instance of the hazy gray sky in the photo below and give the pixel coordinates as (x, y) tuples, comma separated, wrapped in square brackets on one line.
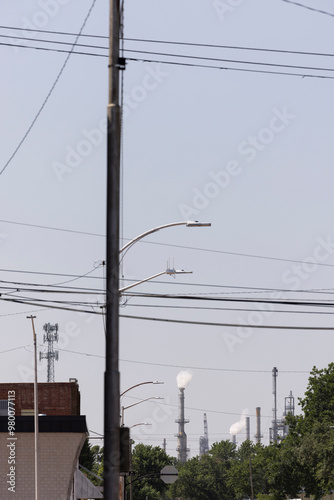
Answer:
[(249, 151)]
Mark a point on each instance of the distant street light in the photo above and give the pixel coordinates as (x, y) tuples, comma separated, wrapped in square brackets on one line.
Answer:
[(170, 272), (140, 383), (134, 404)]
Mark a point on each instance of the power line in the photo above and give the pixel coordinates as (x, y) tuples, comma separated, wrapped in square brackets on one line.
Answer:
[(309, 8), (67, 33), (52, 228), (202, 368), (41, 273), (56, 42), (231, 47), (197, 297), (15, 349), (207, 66), (208, 368), (48, 49), (166, 42), (54, 305), (50, 91), (247, 70), (231, 325), (223, 252), (234, 61), (51, 306), (233, 309)]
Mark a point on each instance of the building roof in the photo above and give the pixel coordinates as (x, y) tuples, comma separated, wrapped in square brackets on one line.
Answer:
[(53, 423)]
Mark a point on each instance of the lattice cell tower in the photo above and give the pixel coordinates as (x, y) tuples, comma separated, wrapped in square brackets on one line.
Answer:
[(50, 336)]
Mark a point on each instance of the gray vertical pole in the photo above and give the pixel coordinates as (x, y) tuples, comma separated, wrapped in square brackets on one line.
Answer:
[(248, 428), (111, 379), (35, 406), (258, 425), (275, 404)]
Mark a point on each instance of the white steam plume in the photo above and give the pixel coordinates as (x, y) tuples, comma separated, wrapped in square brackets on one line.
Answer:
[(237, 427), (183, 378)]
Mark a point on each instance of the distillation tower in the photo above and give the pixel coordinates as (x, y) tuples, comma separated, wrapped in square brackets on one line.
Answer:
[(204, 440), (280, 429)]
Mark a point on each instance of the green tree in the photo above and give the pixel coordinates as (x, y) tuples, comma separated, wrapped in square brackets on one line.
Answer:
[(206, 478), (91, 457), (147, 462), (311, 438)]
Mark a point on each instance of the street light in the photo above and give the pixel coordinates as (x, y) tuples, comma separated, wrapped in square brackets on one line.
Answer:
[(112, 376), (158, 228), (170, 272), (134, 404), (140, 383)]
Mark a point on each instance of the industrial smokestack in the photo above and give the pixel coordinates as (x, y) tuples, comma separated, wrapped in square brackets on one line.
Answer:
[(183, 380), (234, 439), (258, 435), (248, 428)]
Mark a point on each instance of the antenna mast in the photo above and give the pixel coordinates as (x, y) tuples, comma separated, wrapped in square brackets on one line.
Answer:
[(50, 336)]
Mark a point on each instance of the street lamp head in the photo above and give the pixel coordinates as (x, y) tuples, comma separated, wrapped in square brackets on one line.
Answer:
[(195, 223), (172, 272), (157, 382)]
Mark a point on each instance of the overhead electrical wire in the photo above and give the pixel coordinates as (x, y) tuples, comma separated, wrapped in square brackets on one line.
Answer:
[(218, 60), (56, 42), (9, 293), (224, 252), (67, 33), (196, 297), (194, 65), (231, 325), (49, 93), (206, 368), (232, 309), (48, 49), (226, 68), (58, 288), (51, 306), (234, 61), (199, 323), (52, 228), (165, 42), (308, 8), (230, 47), (42, 273)]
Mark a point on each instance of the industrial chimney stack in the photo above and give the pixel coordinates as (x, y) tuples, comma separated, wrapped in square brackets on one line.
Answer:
[(258, 435), (181, 449)]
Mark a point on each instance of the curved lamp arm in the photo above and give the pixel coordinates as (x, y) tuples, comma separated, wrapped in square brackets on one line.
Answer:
[(140, 383), (171, 224)]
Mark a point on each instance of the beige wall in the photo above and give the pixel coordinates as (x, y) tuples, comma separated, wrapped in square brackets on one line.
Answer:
[(58, 454)]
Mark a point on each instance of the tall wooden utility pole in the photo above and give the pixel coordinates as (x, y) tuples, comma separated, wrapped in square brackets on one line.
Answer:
[(111, 377)]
